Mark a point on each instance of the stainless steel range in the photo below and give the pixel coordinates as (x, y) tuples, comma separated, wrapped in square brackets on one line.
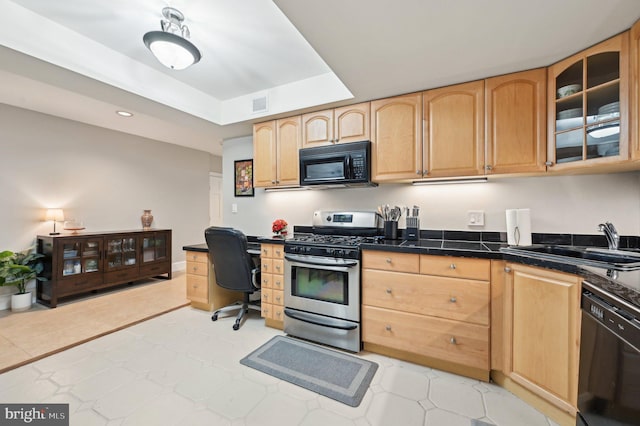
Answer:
[(322, 278)]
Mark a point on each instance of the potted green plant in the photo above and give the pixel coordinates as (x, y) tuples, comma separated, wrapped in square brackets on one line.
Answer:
[(17, 269)]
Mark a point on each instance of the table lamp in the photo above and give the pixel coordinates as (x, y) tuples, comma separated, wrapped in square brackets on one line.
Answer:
[(56, 215)]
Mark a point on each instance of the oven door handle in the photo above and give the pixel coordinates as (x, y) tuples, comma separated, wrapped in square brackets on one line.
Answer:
[(324, 322), (343, 265)]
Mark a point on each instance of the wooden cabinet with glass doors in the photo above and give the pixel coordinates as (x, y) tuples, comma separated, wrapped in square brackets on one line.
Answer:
[(75, 264), (588, 106)]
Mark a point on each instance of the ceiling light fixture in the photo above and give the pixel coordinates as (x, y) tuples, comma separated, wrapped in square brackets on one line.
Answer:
[(124, 113), (171, 45)]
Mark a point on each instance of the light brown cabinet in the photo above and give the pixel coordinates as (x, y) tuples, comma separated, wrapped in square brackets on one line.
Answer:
[(588, 106), (515, 122), (340, 125), (202, 290), (396, 138), (433, 307), (634, 106), (453, 140), (272, 284), (542, 333), (275, 152)]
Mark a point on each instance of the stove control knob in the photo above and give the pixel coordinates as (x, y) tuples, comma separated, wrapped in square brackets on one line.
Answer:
[(307, 249), (339, 253), (330, 251), (328, 218)]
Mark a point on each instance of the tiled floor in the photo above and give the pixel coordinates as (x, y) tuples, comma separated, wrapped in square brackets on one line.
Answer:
[(182, 369)]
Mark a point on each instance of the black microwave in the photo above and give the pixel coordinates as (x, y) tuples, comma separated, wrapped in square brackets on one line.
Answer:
[(347, 164)]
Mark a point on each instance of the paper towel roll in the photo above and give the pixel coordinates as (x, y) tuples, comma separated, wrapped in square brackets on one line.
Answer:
[(518, 227)]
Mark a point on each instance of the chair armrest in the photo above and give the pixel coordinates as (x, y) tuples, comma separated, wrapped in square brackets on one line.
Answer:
[(255, 277)]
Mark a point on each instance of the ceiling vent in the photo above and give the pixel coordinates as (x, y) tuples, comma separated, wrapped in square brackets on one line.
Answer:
[(260, 105)]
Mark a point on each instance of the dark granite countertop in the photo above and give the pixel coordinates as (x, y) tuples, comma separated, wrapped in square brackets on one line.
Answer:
[(625, 285), (486, 250)]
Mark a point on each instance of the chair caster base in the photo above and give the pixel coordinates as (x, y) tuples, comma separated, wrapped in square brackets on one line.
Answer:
[(214, 317), (236, 326)]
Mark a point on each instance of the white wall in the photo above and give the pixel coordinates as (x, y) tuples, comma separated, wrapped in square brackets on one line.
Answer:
[(102, 177), (559, 204)]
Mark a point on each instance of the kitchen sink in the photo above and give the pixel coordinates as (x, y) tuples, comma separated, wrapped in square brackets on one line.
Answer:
[(621, 260)]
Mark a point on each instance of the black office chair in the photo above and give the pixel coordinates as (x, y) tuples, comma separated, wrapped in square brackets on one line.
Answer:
[(234, 268)]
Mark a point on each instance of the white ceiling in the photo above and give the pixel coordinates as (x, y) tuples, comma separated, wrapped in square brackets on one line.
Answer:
[(84, 59)]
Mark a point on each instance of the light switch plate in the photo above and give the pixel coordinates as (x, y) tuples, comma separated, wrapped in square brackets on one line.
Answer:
[(475, 218), (234, 208)]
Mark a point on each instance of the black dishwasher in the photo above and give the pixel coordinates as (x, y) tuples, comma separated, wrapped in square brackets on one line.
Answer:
[(609, 374)]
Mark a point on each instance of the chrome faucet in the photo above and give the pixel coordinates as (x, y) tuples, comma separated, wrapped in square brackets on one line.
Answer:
[(612, 235)]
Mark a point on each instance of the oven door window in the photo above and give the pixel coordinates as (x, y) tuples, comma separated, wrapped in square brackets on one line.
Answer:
[(320, 284)]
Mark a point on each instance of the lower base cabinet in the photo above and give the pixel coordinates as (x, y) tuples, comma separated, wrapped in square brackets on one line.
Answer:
[(202, 290), (433, 310), (272, 284), (541, 333)]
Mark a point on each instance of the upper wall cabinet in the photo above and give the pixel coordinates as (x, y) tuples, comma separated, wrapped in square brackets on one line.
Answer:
[(396, 138), (340, 125), (515, 122), (588, 106), (635, 91), (275, 152), (453, 131)]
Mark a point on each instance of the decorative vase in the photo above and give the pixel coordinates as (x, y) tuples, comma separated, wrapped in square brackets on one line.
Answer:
[(147, 219), (21, 302)]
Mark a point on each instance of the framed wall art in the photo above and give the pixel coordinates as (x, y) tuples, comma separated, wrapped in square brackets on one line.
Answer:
[(243, 182)]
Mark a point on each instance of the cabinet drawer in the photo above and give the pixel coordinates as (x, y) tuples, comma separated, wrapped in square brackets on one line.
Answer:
[(78, 284), (277, 297), (277, 251), (266, 265), (278, 266), (266, 281), (266, 295), (121, 276), (197, 288), (391, 261), (278, 282), (155, 269), (457, 267), (452, 298), (278, 312), (453, 341), (266, 310), (197, 256), (197, 268), (266, 250)]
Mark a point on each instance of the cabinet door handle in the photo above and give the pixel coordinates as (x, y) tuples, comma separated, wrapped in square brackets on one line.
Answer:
[(388, 328), (488, 167), (418, 172), (388, 291), (507, 269), (453, 299), (388, 260), (277, 268), (453, 340), (452, 266), (273, 181), (548, 163), (425, 172)]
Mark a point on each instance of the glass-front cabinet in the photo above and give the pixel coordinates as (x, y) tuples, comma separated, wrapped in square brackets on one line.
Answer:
[(588, 106), (155, 247), (121, 252), (80, 256)]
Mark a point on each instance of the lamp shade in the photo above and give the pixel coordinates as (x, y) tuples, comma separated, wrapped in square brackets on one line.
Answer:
[(171, 50), (57, 215)]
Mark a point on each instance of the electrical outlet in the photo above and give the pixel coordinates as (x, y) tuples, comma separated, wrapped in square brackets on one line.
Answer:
[(234, 208), (475, 218)]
